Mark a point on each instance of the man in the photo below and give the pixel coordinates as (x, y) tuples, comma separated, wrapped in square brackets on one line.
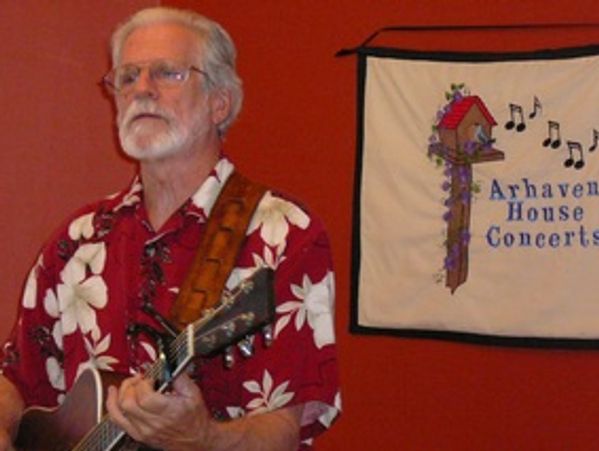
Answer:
[(176, 93)]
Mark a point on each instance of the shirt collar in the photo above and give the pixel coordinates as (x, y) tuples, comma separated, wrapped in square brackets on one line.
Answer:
[(200, 203)]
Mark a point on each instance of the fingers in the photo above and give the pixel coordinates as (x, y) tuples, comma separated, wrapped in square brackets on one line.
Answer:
[(154, 418), (137, 394), (112, 406), (183, 385), (117, 416), (188, 397), (135, 407)]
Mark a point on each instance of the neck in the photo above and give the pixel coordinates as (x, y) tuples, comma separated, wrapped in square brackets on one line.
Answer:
[(169, 182)]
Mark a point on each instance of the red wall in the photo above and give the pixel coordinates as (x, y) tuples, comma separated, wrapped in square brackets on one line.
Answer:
[(297, 132), (58, 147)]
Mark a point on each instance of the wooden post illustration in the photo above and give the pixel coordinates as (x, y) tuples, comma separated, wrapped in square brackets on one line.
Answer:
[(465, 139)]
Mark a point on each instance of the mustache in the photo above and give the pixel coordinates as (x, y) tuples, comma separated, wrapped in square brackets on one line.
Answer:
[(144, 107)]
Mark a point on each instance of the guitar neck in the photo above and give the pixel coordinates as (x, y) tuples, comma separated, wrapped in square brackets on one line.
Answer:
[(104, 436)]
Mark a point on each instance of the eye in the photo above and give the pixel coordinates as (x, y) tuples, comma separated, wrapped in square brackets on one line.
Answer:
[(126, 76), (169, 73)]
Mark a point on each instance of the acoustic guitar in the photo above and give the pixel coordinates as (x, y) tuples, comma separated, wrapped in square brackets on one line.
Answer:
[(80, 422)]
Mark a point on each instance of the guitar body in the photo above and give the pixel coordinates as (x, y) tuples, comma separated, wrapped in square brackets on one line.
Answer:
[(80, 424), (63, 427)]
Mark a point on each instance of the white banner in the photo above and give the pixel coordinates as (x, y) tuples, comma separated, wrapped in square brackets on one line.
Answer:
[(479, 195)]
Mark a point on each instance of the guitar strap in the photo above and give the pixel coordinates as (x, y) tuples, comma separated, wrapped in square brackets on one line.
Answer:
[(218, 250)]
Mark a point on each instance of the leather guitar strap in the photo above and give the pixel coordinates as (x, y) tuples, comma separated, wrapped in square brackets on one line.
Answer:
[(218, 250)]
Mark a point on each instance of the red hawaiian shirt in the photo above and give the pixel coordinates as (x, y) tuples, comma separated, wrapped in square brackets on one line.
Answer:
[(84, 297)]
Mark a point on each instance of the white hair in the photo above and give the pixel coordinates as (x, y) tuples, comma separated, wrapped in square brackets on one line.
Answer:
[(214, 42)]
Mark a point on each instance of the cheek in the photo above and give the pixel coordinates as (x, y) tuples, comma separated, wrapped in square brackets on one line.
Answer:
[(194, 110), (121, 109)]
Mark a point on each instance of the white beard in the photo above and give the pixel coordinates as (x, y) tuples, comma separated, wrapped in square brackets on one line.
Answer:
[(143, 140)]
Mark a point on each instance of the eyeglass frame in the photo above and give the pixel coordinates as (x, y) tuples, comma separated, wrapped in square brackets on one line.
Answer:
[(111, 86)]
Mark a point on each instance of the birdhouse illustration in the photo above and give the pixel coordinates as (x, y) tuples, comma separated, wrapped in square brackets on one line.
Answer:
[(464, 138), (465, 131)]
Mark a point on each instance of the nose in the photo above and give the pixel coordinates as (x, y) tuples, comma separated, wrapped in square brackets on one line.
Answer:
[(145, 86)]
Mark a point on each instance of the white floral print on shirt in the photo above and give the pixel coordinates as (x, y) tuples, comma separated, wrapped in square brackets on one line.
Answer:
[(132, 197), (79, 295), (51, 308), (314, 304), (30, 292), (96, 352), (273, 217), (268, 398), (82, 227), (205, 197)]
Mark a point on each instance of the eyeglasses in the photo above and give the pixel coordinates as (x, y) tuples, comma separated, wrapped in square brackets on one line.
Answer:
[(164, 73)]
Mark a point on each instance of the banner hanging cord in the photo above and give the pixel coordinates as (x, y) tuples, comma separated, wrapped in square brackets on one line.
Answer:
[(473, 27)]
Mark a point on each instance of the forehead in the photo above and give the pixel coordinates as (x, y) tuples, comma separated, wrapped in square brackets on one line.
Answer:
[(159, 41)]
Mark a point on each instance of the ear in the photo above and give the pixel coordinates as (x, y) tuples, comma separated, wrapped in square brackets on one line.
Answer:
[(220, 102)]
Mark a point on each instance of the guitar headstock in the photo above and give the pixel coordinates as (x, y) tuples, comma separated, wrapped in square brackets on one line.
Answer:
[(243, 311)]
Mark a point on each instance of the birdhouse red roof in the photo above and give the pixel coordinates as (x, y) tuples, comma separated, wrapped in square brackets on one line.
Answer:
[(458, 110)]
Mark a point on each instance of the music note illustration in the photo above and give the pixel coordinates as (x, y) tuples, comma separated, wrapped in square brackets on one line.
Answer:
[(595, 139), (577, 163), (554, 137), (516, 118), (536, 107)]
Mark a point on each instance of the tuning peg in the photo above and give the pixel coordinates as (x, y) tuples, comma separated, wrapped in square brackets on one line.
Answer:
[(228, 357), (229, 329), (246, 346), (268, 335), (246, 286)]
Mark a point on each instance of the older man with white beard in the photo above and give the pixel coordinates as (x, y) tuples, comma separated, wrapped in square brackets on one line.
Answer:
[(176, 92)]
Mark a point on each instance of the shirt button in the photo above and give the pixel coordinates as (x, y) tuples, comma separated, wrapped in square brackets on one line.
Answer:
[(149, 250)]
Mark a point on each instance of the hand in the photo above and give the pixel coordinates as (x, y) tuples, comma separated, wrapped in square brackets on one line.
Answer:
[(176, 420)]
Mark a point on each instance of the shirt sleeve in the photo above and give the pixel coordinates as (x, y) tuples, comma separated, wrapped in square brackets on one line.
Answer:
[(32, 356), (305, 291), (301, 365)]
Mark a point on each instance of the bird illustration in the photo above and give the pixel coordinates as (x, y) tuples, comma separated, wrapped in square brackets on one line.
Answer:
[(481, 136)]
